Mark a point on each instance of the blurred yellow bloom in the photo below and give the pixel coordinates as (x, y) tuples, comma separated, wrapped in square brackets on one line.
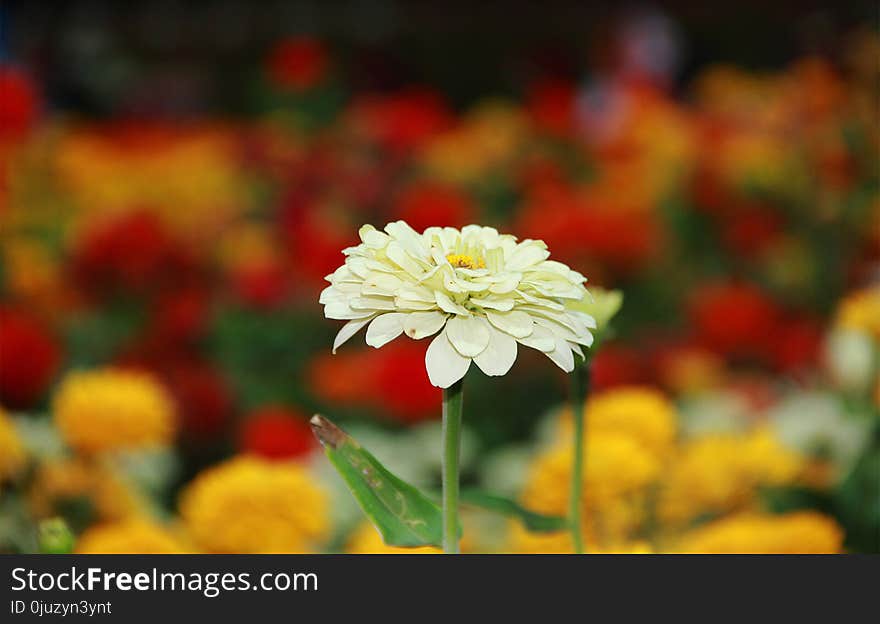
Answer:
[(861, 311), (720, 473), (643, 414), (617, 471), (490, 136), (251, 505), (109, 409), (12, 451), (59, 483), (528, 543), (365, 540), (190, 177), (804, 532), (135, 537)]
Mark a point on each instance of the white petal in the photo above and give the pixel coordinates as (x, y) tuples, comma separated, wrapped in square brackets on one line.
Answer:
[(541, 339), (516, 323), (445, 365), (502, 304), (526, 254), (500, 355), (418, 325), (341, 311), (562, 355), (348, 330), (468, 334), (384, 329), (448, 305)]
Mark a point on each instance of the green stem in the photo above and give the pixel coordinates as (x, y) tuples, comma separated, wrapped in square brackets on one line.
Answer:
[(580, 381), (452, 402)]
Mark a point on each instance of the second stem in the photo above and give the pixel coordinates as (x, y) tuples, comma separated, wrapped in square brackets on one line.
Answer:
[(580, 381), (452, 408)]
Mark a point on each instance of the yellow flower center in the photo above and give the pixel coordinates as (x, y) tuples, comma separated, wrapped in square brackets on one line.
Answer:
[(462, 261)]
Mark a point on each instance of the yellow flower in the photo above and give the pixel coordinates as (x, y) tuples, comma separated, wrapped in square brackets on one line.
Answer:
[(719, 473), (366, 541), (804, 532), (527, 542), (643, 414), (251, 505), (134, 537), (617, 472), (111, 409), (12, 451), (861, 311), (58, 483)]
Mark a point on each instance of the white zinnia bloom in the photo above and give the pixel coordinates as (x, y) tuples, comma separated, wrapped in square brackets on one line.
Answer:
[(484, 292)]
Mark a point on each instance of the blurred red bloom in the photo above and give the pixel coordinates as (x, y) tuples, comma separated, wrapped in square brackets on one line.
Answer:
[(20, 102), (29, 359), (797, 345), (391, 380), (180, 316), (276, 432), (617, 365), (316, 234), (403, 121), (132, 253), (262, 285), (298, 63), (203, 395), (752, 230), (578, 227), (431, 204), (552, 106), (735, 319)]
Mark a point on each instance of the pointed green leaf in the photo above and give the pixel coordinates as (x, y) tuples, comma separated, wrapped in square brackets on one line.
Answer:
[(534, 522), (401, 513)]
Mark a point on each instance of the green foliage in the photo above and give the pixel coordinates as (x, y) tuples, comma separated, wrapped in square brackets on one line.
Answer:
[(399, 511)]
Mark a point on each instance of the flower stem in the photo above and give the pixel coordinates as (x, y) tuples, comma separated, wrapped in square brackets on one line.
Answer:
[(452, 403), (580, 382)]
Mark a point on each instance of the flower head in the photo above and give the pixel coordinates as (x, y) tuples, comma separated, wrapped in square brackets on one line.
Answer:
[(134, 537), (801, 532), (253, 505), (12, 451), (484, 292), (110, 409)]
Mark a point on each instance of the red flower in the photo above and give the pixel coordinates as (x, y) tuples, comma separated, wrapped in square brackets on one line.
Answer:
[(131, 253), (316, 234), (404, 121), (298, 63), (204, 397), (552, 106), (276, 432), (752, 230), (797, 345), (29, 359), (263, 285), (579, 228), (391, 381), (20, 101), (734, 319), (617, 365), (426, 204)]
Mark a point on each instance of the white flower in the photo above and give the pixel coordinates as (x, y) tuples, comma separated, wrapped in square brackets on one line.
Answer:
[(484, 292)]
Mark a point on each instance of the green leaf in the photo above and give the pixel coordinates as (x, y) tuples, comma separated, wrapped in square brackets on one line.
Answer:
[(535, 522), (402, 514)]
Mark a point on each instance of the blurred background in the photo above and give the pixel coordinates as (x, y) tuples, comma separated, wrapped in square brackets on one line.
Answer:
[(177, 181)]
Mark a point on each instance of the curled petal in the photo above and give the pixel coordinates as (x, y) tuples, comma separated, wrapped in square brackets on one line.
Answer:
[(445, 365), (497, 358), (385, 328), (468, 334)]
